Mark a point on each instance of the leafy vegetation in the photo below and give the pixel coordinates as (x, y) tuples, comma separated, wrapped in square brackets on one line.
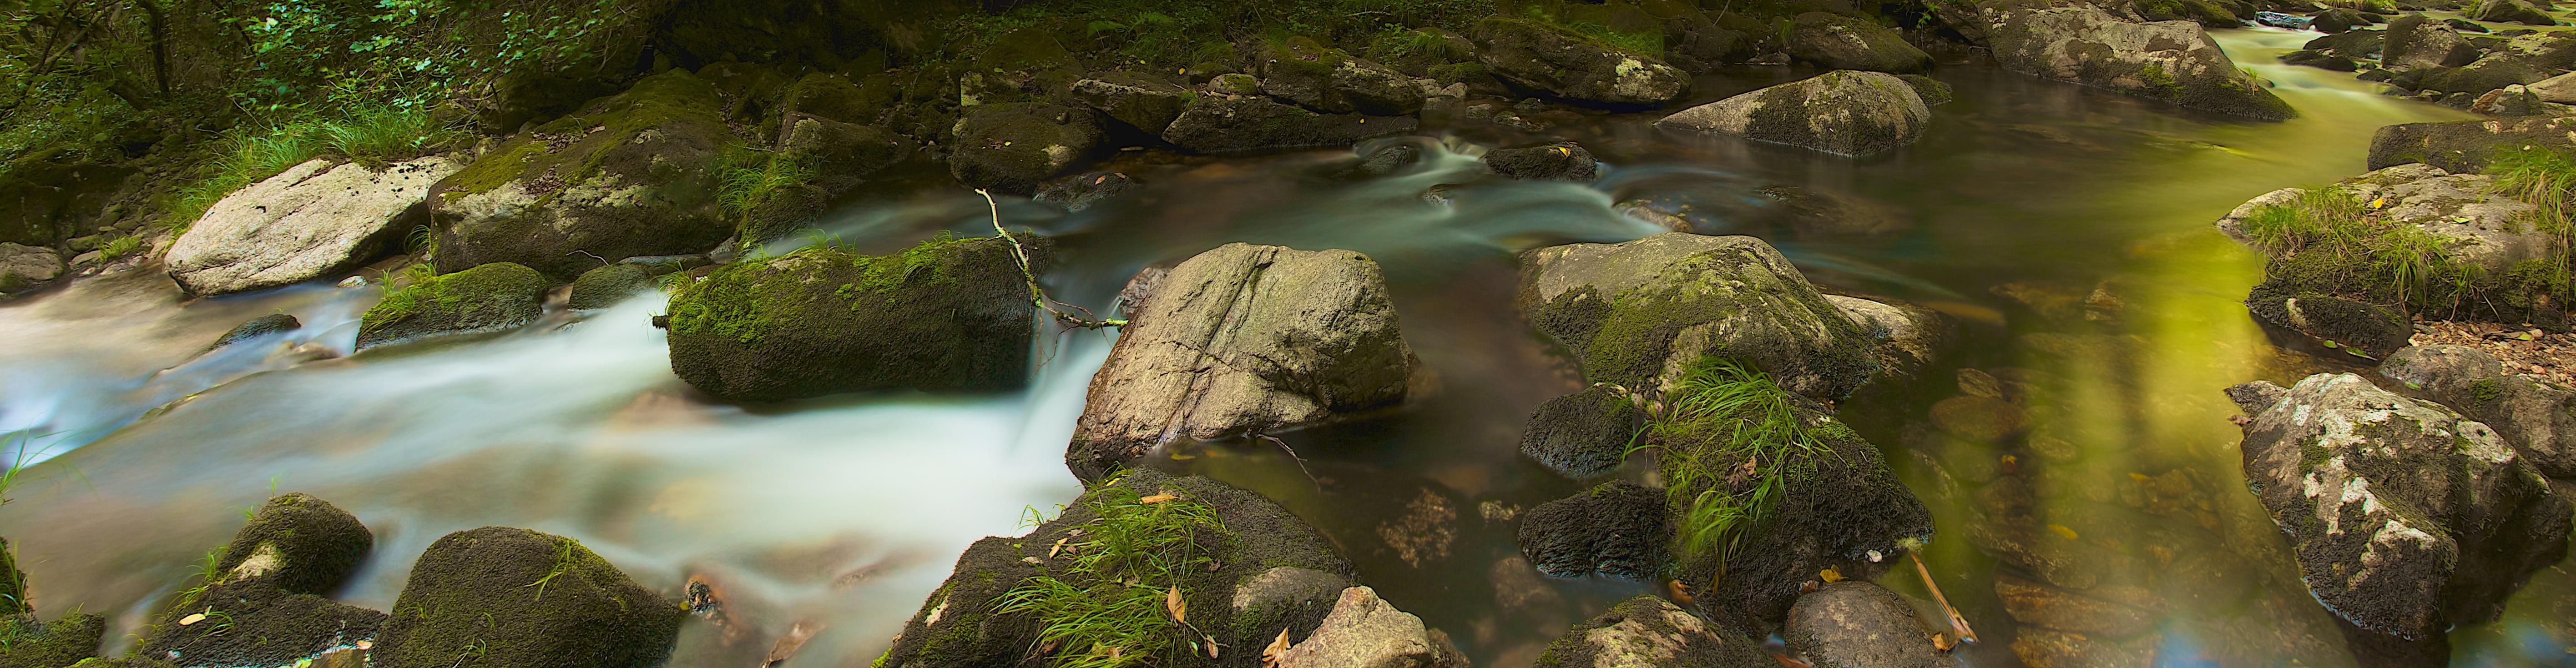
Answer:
[(1175, 33), (752, 177), (2337, 239), (1730, 441), (1117, 604), (2547, 180)]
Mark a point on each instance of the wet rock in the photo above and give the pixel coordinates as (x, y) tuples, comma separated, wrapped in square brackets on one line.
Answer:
[(486, 298), (1568, 65), (1363, 631), (1584, 434), (2035, 604), (1560, 161), (1243, 339), (2171, 61), (1326, 79), (35, 643), (1836, 42), (841, 154), (1849, 514), (2362, 44), (1616, 529), (2320, 60), (2406, 518), (2336, 20), (1425, 532), (963, 622), (1840, 112), (1519, 588), (819, 321), (2280, 20), (1143, 102), (2372, 329), (835, 97), (2464, 147), (606, 286), (1908, 338), (2510, 11), (265, 607), (1650, 632), (1011, 147), (315, 219), (24, 266), (634, 174), (1933, 92), (2049, 648), (1637, 313), (1388, 159), (257, 327), (2411, 43), (1241, 125), (1855, 624), (470, 597), (2511, 100), (1084, 191), (2529, 411), (1286, 589)]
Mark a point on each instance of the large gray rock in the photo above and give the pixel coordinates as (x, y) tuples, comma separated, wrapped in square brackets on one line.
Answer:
[(2559, 89), (313, 220), (1855, 624), (1637, 313), (2478, 226), (22, 266), (1841, 112), (2406, 518), (1363, 631), (1837, 42), (1569, 65), (1243, 339), (2464, 147), (2537, 417), (1251, 124), (1011, 147), (2173, 61), (2414, 43), (1650, 632)]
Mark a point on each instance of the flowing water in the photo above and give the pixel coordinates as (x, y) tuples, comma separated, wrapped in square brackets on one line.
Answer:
[(2025, 201)]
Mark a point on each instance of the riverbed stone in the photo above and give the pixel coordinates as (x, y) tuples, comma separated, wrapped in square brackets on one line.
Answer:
[(1559, 161), (1618, 529), (22, 266), (1636, 314), (2361, 44), (1363, 631), (841, 154), (315, 219), (2411, 43), (946, 315), (1144, 102), (2464, 147), (1574, 67), (1223, 125), (2510, 11), (474, 597), (1841, 112), (633, 174), (2172, 61), (1649, 632), (1012, 147), (1584, 434), (257, 327), (2534, 415), (1243, 339), (1083, 191), (1837, 42), (606, 286), (266, 605), (2406, 517), (1907, 338), (1856, 624), (487, 298)]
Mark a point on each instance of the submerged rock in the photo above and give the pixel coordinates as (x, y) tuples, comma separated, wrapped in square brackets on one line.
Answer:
[(1856, 624), (1836, 42), (1011, 147), (1243, 339), (486, 298), (313, 220), (1584, 434), (2537, 417), (2172, 61), (606, 286), (1083, 191), (1637, 313), (1908, 337), (2407, 518), (1560, 161), (1250, 124), (1574, 67), (1650, 632), (1840, 112), (2464, 147), (1363, 631), (266, 605), (502, 596), (257, 327), (947, 315), (1617, 529), (634, 174)]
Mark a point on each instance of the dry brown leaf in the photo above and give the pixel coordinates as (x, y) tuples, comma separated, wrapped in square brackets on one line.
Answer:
[(1278, 647), (1059, 546), (1941, 641), (1211, 645), (1158, 498), (1172, 602)]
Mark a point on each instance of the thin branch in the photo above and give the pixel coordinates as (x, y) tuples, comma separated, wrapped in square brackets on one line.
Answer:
[(1957, 621), (1037, 295), (1292, 456)]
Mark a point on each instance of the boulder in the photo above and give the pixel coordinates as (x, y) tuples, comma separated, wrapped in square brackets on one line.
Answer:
[(841, 154), (1932, 91), (486, 298), (35, 643), (2529, 411), (1363, 631), (2172, 61), (1265, 575), (634, 174), (265, 605), (2464, 147), (2320, 60), (835, 97), (1145, 103), (1908, 338), (2478, 226), (2559, 89), (1243, 339), (2336, 20), (1326, 79), (946, 315), (2365, 44), (1243, 125), (2367, 328), (257, 327), (1856, 624), (2511, 11), (1574, 67), (1840, 112), (1616, 529), (1584, 434), (2411, 43), (2406, 518), (1636, 314), (1836, 42), (1083, 191), (1560, 161), (25, 266), (1011, 147), (1650, 632), (2512, 100), (503, 596), (2489, 73), (606, 286), (313, 220)]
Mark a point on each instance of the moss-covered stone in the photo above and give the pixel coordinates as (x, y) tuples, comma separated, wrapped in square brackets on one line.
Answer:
[(1573, 66), (1584, 434), (836, 97), (26, 642), (1250, 124), (606, 286), (1012, 147), (501, 597), (1837, 42), (1635, 314), (264, 605), (491, 297), (2170, 61), (1559, 161), (1618, 529), (950, 314), (1841, 112), (299, 544), (2465, 147)]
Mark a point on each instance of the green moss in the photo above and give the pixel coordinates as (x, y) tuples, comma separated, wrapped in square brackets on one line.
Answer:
[(1108, 607), (26, 642), (2160, 83), (670, 97), (468, 295), (2486, 391), (475, 599)]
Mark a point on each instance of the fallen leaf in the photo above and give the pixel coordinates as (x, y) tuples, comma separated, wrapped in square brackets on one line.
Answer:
[(1172, 602), (2062, 531), (1059, 546), (1158, 498), (1830, 574), (192, 619), (1278, 647), (1941, 641), (1212, 646)]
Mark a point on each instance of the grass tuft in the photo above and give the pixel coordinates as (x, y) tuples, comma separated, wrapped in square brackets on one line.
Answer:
[(1730, 439), (1107, 608)]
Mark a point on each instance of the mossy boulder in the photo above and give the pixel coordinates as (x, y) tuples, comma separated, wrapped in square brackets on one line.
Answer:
[(606, 286), (1836, 42), (506, 597), (1260, 553), (2336, 20), (1012, 147), (1584, 434), (1248, 124), (2369, 328), (2464, 147), (1574, 67), (28, 642), (634, 174), (486, 298), (1617, 529), (2511, 11), (2172, 61), (2433, 519), (2365, 44), (947, 315), (266, 604), (2320, 60), (1857, 624), (1933, 92), (1558, 161), (1144, 102), (2534, 415), (841, 154), (2410, 43), (1841, 112), (1636, 314), (1328, 80), (1650, 632)]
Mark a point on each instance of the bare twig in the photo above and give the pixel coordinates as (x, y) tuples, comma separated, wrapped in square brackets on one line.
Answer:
[(1037, 295), (1292, 456), (1957, 621)]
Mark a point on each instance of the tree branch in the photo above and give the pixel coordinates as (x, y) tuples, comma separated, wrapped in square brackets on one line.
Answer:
[(1037, 295)]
